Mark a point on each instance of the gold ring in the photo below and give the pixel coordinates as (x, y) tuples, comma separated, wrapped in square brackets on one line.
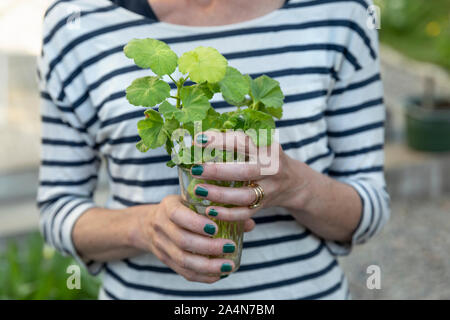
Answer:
[(259, 192)]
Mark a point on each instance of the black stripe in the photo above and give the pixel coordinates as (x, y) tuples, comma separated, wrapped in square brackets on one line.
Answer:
[(147, 183), (109, 294), (274, 218), (352, 153), (266, 242), (324, 293), (58, 196), (310, 161), (345, 110), (67, 183), (242, 268), (279, 28), (56, 142), (55, 163), (353, 131), (372, 212), (354, 172), (61, 225), (219, 292), (321, 2), (140, 161), (303, 142), (47, 119), (296, 48), (357, 85), (49, 9), (63, 21)]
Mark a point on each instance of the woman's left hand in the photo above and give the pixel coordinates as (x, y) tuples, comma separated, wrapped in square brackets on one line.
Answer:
[(277, 174)]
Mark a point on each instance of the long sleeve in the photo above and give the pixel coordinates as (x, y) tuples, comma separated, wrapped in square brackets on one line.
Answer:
[(69, 166), (355, 118)]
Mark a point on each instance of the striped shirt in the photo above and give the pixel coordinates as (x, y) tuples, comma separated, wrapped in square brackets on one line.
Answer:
[(326, 60)]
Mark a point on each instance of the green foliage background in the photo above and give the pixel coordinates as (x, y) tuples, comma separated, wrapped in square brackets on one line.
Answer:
[(28, 270), (419, 29)]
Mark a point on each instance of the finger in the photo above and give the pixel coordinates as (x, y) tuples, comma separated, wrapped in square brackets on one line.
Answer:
[(230, 141), (233, 171), (243, 196), (231, 214), (186, 273), (249, 225), (189, 220), (195, 243)]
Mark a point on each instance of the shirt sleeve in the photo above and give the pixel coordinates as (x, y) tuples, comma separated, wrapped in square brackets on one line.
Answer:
[(69, 165), (355, 119)]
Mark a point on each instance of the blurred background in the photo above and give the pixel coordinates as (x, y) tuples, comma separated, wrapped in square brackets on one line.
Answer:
[(413, 250)]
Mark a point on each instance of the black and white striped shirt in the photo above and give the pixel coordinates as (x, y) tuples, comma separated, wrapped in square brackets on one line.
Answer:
[(326, 60)]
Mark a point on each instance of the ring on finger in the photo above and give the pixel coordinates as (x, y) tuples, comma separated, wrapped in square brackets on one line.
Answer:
[(259, 192)]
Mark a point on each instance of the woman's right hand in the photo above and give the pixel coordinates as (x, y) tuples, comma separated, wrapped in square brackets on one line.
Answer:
[(181, 239)]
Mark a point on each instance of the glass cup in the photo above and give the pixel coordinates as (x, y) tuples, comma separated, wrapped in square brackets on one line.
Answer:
[(233, 230)]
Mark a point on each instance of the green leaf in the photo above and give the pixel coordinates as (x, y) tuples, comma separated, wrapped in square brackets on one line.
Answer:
[(147, 91), (150, 130), (257, 124), (153, 54), (170, 125), (276, 112), (142, 147), (168, 110), (206, 89), (203, 64), (234, 86), (267, 91), (195, 105)]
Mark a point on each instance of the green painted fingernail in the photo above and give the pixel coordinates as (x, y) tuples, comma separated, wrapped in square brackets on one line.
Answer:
[(209, 228), (223, 276), (200, 191), (229, 248), (202, 138), (226, 267), (213, 212), (197, 170)]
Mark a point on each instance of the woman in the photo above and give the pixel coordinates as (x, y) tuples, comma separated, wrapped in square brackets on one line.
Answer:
[(327, 195)]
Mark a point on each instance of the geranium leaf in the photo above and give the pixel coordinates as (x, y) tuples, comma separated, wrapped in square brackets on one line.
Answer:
[(267, 91), (153, 54), (150, 130), (147, 91), (168, 110), (203, 64), (234, 86), (195, 105)]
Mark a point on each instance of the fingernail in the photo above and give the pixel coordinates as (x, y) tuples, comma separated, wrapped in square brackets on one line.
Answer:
[(213, 212), (202, 138), (223, 276), (200, 191), (226, 267), (197, 170), (209, 229), (228, 248)]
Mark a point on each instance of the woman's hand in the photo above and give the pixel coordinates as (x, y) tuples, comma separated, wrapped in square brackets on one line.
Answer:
[(268, 167), (180, 238)]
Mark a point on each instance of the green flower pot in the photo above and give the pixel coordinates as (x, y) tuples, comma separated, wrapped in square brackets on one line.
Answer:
[(226, 230), (428, 129)]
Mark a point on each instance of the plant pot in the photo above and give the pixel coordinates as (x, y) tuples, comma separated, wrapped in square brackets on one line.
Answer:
[(226, 230), (428, 129)]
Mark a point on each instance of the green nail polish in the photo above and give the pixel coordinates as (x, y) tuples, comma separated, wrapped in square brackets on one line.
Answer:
[(223, 276), (229, 248), (200, 191), (213, 213), (226, 267), (209, 229), (202, 138), (197, 170)]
